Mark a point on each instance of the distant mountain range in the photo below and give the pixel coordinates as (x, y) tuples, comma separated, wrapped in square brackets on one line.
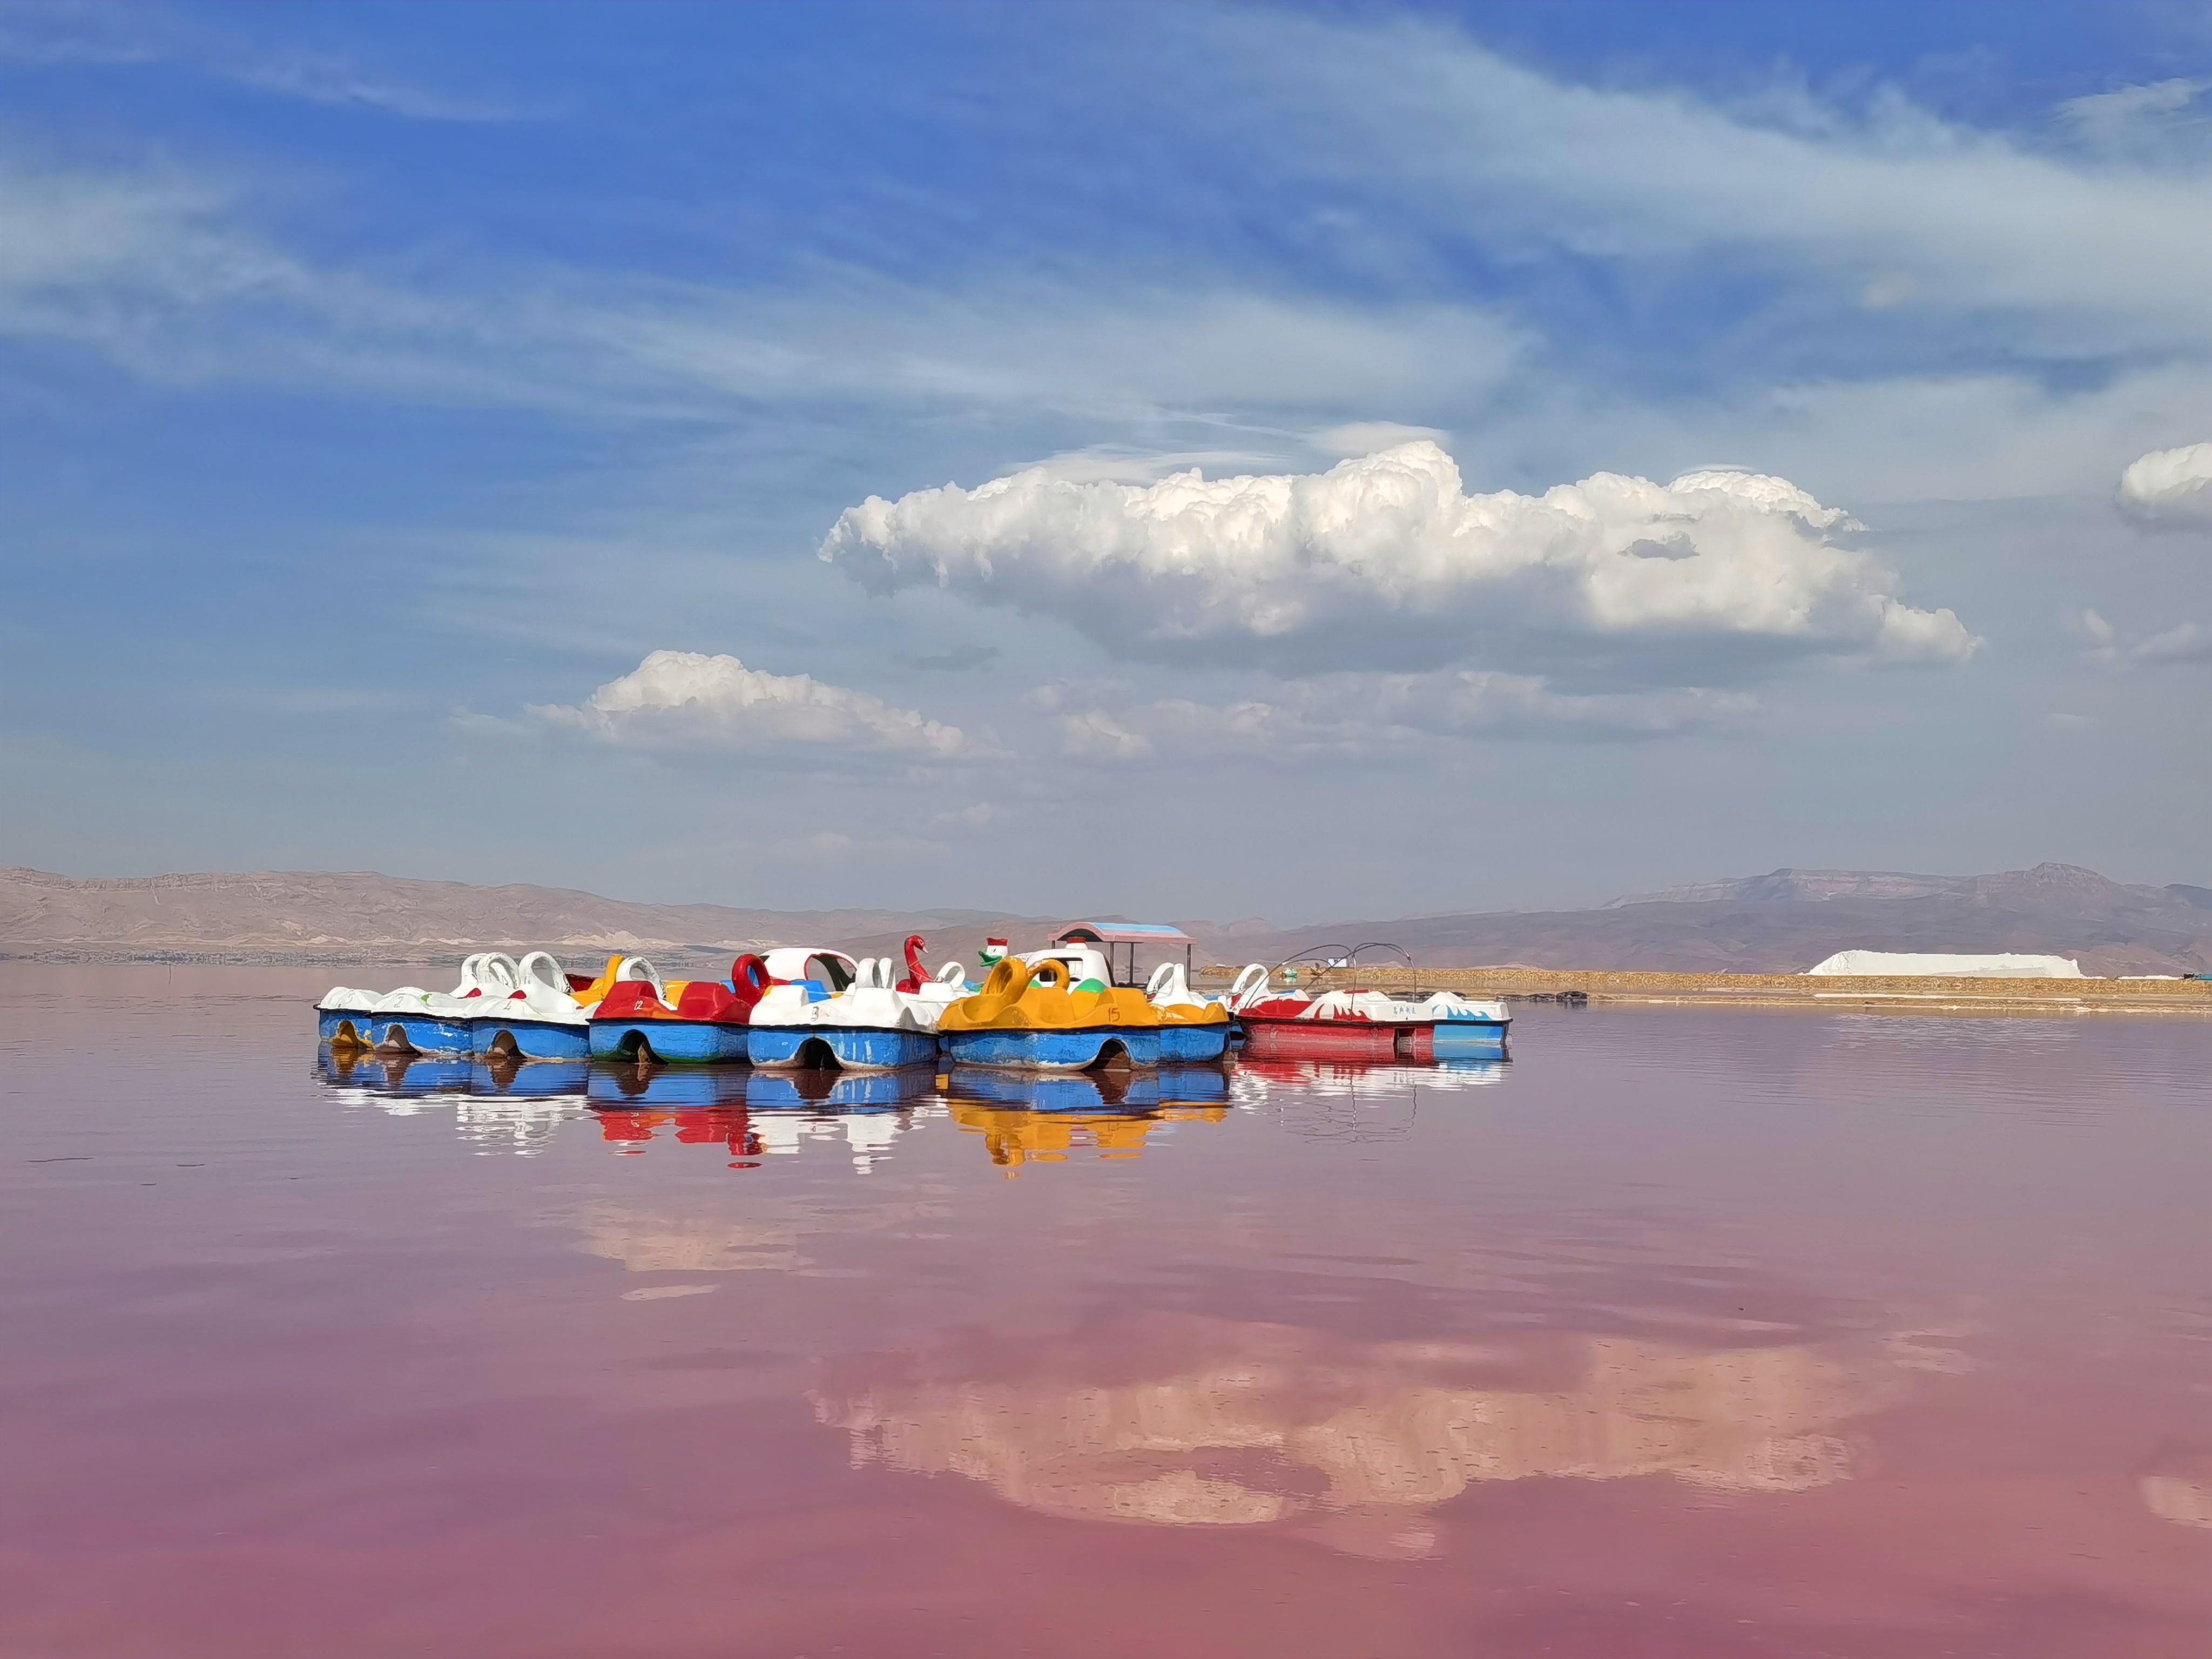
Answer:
[(1781, 922), (1787, 920)]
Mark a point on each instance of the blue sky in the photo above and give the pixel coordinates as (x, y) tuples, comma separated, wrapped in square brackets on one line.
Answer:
[(381, 386)]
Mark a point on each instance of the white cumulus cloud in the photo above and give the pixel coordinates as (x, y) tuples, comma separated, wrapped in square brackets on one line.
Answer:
[(2169, 486), (689, 696), (1386, 562)]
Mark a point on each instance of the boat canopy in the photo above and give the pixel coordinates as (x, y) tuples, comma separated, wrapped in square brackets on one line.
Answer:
[(1120, 932), (1119, 941)]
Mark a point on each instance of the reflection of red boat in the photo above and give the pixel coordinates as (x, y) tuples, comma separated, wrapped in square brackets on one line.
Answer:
[(729, 1125), (1364, 1025)]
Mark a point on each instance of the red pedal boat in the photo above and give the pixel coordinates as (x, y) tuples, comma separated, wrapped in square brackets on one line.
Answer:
[(1364, 1025)]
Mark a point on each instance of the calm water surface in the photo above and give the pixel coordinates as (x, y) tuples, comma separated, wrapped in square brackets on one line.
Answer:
[(1687, 1333)]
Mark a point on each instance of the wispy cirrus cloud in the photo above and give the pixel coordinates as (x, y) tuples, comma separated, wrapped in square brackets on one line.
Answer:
[(1388, 719), (2184, 642), (1885, 206), (96, 32), (165, 271)]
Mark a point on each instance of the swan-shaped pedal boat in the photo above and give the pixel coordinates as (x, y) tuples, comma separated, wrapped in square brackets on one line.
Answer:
[(1040, 1015), (851, 1015), (531, 1010), (1364, 1025), (1192, 1027), (676, 1021)]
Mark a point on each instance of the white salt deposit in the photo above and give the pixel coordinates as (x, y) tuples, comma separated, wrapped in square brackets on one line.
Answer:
[(1904, 962)]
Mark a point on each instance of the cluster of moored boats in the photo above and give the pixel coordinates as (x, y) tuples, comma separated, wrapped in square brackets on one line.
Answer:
[(1057, 1008)]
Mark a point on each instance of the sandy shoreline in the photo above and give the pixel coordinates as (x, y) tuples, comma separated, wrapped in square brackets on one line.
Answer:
[(1895, 994)]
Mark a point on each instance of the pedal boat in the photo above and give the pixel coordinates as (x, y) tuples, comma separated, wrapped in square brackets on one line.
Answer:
[(542, 1012), (868, 1023), (1364, 1025), (1192, 1028), (1035, 1017), (410, 1018), (678, 1022)]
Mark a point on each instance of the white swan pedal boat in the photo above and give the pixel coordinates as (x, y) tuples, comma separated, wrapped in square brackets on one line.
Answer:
[(531, 1009), (826, 1009)]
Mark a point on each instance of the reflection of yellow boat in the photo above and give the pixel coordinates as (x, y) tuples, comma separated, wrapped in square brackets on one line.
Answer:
[(1032, 1017), (1015, 1136)]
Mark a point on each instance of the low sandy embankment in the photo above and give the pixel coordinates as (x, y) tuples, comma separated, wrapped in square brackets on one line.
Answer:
[(1913, 995)]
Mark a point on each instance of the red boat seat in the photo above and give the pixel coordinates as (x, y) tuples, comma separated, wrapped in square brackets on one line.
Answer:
[(631, 998), (709, 998)]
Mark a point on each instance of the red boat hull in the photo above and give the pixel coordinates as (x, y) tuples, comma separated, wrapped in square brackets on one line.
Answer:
[(1337, 1039)]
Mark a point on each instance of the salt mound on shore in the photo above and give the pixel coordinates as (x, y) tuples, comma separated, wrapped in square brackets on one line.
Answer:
[(1878, 963)]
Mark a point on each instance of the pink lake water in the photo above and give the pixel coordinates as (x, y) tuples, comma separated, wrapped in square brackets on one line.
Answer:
[(1687, 1333)]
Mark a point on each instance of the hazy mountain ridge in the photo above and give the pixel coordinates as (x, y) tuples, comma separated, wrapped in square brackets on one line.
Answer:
[(1780, 922), (351, 912), (1788, 920)]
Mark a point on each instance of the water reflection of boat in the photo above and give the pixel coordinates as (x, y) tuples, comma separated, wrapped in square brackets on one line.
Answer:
[(1196, 1421), (535, 1080), (628, 1126), (522, 1123), (868, 1130), (1254, 1078), (645, 1084), (392, 1071), (1015, 1135), (1102, 1090), (1055, 1092), (814, 1087)]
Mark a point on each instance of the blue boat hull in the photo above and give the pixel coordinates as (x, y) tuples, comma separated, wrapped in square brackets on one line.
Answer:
[(850, 1048), (1470, 1039), (418, 1031), (532, 1039), (1189, 1042), (676, 1042), (1054, 1050)]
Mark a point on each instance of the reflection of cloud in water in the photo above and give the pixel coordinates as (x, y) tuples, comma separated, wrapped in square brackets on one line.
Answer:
[(2177, 1486), (1014, 1136), (1234, 1424), (661, 1240), (653, 1242)]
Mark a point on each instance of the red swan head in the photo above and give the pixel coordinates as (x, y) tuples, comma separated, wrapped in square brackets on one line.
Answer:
[(749, 978), (914, 969)]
